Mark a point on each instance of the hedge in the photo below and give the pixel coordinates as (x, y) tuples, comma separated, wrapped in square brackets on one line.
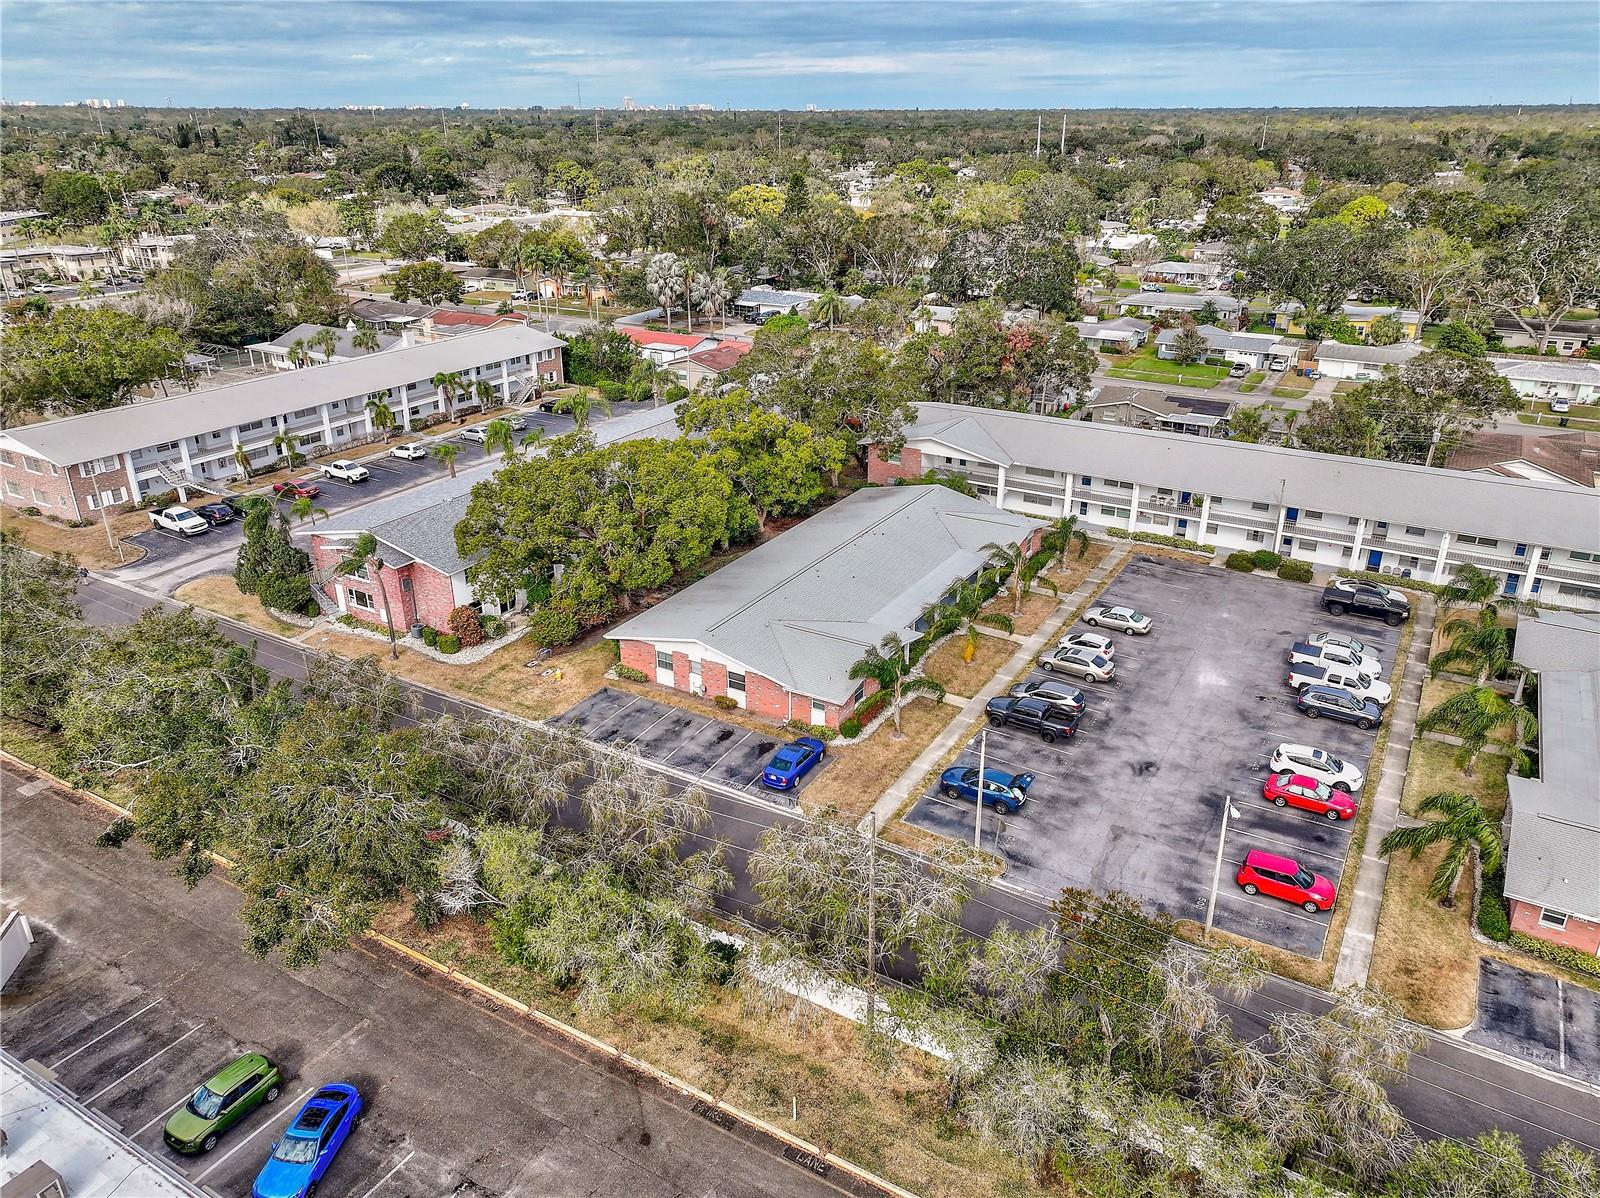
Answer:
[(430, 637), (1241, 561), (820, 731), (1558, 954), (631, 674), (726, 702), (850, 727), (1265, 559), (553, 623), (1494, 921), (1160, 538), (1295, 570), (448, 643), (1394, 580)]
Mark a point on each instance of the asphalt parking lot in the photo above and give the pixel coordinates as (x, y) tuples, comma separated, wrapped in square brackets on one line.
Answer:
[(1133, 801), (712, 749), (1540, 1018)]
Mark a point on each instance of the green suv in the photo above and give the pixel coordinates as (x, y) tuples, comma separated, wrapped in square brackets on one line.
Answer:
[(233, 1093)]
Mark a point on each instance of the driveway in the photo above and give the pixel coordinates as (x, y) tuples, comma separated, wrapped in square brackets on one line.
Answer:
[(708, 748), (1133, 802), (1540, 1018)]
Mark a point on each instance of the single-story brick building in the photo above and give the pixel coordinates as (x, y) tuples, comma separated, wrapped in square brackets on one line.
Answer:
[(778, 629)]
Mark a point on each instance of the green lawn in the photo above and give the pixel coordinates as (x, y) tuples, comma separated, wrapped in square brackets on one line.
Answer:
[(1147, 367), (1290, 392), (1573, 422)]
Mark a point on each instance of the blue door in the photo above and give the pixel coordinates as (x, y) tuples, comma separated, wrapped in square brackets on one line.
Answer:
[(1292, 515), (1183, 497), (1513, 581), (1183, 527), (1374, 559)]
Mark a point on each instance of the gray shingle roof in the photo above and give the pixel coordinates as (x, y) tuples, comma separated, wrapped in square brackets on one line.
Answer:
[(1559, 640), (1380, 355), (803, 608), (1537, 370), (1177, 301), (1251, 343), (1514, 509), (152, 422), (346, 349), (772, 297)]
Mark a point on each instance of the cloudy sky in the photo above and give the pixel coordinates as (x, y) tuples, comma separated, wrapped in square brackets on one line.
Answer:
[(790, 53)]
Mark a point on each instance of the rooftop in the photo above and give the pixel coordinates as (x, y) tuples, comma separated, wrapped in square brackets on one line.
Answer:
[(1177, 301), (1549, 370), (1256, 343), (721, 357), (1572, 456), (346, 348), (641, 336), (1386, 355)]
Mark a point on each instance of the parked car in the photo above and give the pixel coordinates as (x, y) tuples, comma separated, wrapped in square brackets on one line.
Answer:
[(296, 488), (411, 451), (1284, 878), (521, 297), (1326, 654), (1560, 406), (1302, 674), (216, 513), (517, 423), (1366, 599), (1339, 704), (1080, 662), (1339, 640), (310, 1142), (179, 520), (791, 763), (1238, 370), (1119, 619), (1006, 793), (476, 434), (1092, 641), (1319, 764), (226, 1097), (1050, 722), (1299, 790), (347, 470), (1151, 287), (1068, 698)]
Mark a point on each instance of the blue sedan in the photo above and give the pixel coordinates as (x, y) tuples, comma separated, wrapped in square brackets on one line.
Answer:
[(790, 763), (1002, 791), (309, 1144)]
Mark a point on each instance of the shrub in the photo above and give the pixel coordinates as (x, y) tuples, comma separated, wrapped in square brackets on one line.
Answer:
[(850, 728), (610, 391), (493, 627), (633, 675), (872, 705), (79, 523), (1239, 560), (1494, 921), (1265, 559), (1295, 570), (285, 592), (466, 626), (350, 621), (553, 624), (821, 731), (726, 702), (1160, 538), (1559, 954), (430, 637), (30, 510), (1394, 580), (448, 643)]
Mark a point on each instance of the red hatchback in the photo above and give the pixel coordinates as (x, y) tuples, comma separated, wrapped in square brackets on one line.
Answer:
[(296, 489), (1281, 878), (1297, 790)]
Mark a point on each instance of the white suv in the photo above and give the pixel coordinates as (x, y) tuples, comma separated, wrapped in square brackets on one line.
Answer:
[(1317, 763)]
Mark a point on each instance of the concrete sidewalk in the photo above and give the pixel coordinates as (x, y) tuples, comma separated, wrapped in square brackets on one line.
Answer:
[(1355, 951), (960, 728)]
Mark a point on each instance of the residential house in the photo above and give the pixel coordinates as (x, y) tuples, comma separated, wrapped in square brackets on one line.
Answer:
[(778, 630), (1230, 311), (666, 349), (1139, 407), (1258, 351), (1363, 362), (1290, 318), (709, 365), (19, 216), (936, 318), (1553, 457), (486, 278), (769, 301), (1567, 337), (153, 251), (1546, 379), (1540, 539), (1286, 200), (1210, 251), (74, 466), (1120, 336), (1552, 874), (278, 352), (1187, 274)]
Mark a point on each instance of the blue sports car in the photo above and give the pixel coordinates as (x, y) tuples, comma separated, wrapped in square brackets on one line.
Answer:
[(309, 1144), (790, 763), (1002, 791)]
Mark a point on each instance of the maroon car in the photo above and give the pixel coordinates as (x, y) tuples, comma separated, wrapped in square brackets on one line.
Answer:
[(296, 489)]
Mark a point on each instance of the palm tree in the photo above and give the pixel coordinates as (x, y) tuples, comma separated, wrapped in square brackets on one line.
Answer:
[(365, 339), (287, 444), (1473, 715), (1010, 562), (485, 393), (381, 413), (1464, 826), (450, 385), (1471, 587), (1480, 643), (886, 664), (965, 604), (363, 554), (299, 353), (1249, 424), (829, 306), (446, 452), (579, 405), (498, 434), (243, 461), (302, 510), (1062, 532), (328, 342)]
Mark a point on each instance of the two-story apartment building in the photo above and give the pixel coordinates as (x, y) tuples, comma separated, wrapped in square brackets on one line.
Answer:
[(1541, 538), (77, 465)]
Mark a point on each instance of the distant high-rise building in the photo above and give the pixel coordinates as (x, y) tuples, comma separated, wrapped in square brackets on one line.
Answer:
[(121, 103), (627, 103), (811, 107)]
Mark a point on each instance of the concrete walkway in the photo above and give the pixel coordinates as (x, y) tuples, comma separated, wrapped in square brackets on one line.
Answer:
[(1355, 951), (960, 728)]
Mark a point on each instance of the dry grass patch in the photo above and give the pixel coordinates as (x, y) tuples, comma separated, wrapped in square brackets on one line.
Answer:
[(966, 678), (87, 546), (858, 774), (1072, 570), (1425, 956), (1433, 769), (1036, 609), (219, 593), (890, 1120)]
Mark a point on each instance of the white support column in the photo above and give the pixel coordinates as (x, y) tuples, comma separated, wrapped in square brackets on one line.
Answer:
[(1205, 516), (1355, 546), (505, 380), (1066, 498), (327, 426), (1277, 539), (1526, 589), (188, 467), (398, 397), (133, 478), (1438, 561), (1000, 487), (1133, 508)]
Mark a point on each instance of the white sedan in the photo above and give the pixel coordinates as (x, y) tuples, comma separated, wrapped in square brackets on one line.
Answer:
[(1094, 642), (1125, 619), (1319, 764), (411, 451)]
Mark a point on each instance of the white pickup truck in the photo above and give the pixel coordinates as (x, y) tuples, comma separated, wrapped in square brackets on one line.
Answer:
[(347, 470), (179, 520)]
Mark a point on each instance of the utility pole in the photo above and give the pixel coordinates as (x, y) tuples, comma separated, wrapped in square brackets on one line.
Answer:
[(1038, 135), (872, 917), (1063, 135), (1438, 433), (1216, 871), (977, 825), (1263, 144)]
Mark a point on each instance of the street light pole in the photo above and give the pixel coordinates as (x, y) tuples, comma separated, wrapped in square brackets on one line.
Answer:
[(1216, 871), (977, 826)]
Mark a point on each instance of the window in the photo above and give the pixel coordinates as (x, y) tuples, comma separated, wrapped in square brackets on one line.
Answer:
[(858, 694), (663, 660), (31, 465), (1211, 530), (1354, 520), (40, 497), (1416, 532), (1310, 515), (1308, 546), (1486, 542), (1121, 513), (694, 671), (735, 682), (13, 490), (1553, 919), (1260, 507), (1255, 534), (893, 458), (1083, 509), (1087, 481), (361, 599), (1578, 555), (1580, 592)]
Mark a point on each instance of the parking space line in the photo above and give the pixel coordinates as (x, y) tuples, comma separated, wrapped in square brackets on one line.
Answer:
[(223, 1159), (688, 737), (590, 731), (1289, 909), (104, 1034), (159, 1118), (398, 1166), (1294, 847), (743, 736), (104, 1090), (634, 740)]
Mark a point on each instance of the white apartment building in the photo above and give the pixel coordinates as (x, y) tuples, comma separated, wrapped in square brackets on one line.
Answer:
[(1541, 538)]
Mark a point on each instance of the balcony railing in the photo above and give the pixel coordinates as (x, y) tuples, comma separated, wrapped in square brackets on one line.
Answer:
[(1572, 572), (1222, 515)]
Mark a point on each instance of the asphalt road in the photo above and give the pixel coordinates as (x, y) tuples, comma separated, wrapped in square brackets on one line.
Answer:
[(1453, 1088), (137, 990)]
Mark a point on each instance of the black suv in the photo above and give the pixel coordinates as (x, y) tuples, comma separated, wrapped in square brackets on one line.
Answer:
[(1366, 599), (1044, 718)]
